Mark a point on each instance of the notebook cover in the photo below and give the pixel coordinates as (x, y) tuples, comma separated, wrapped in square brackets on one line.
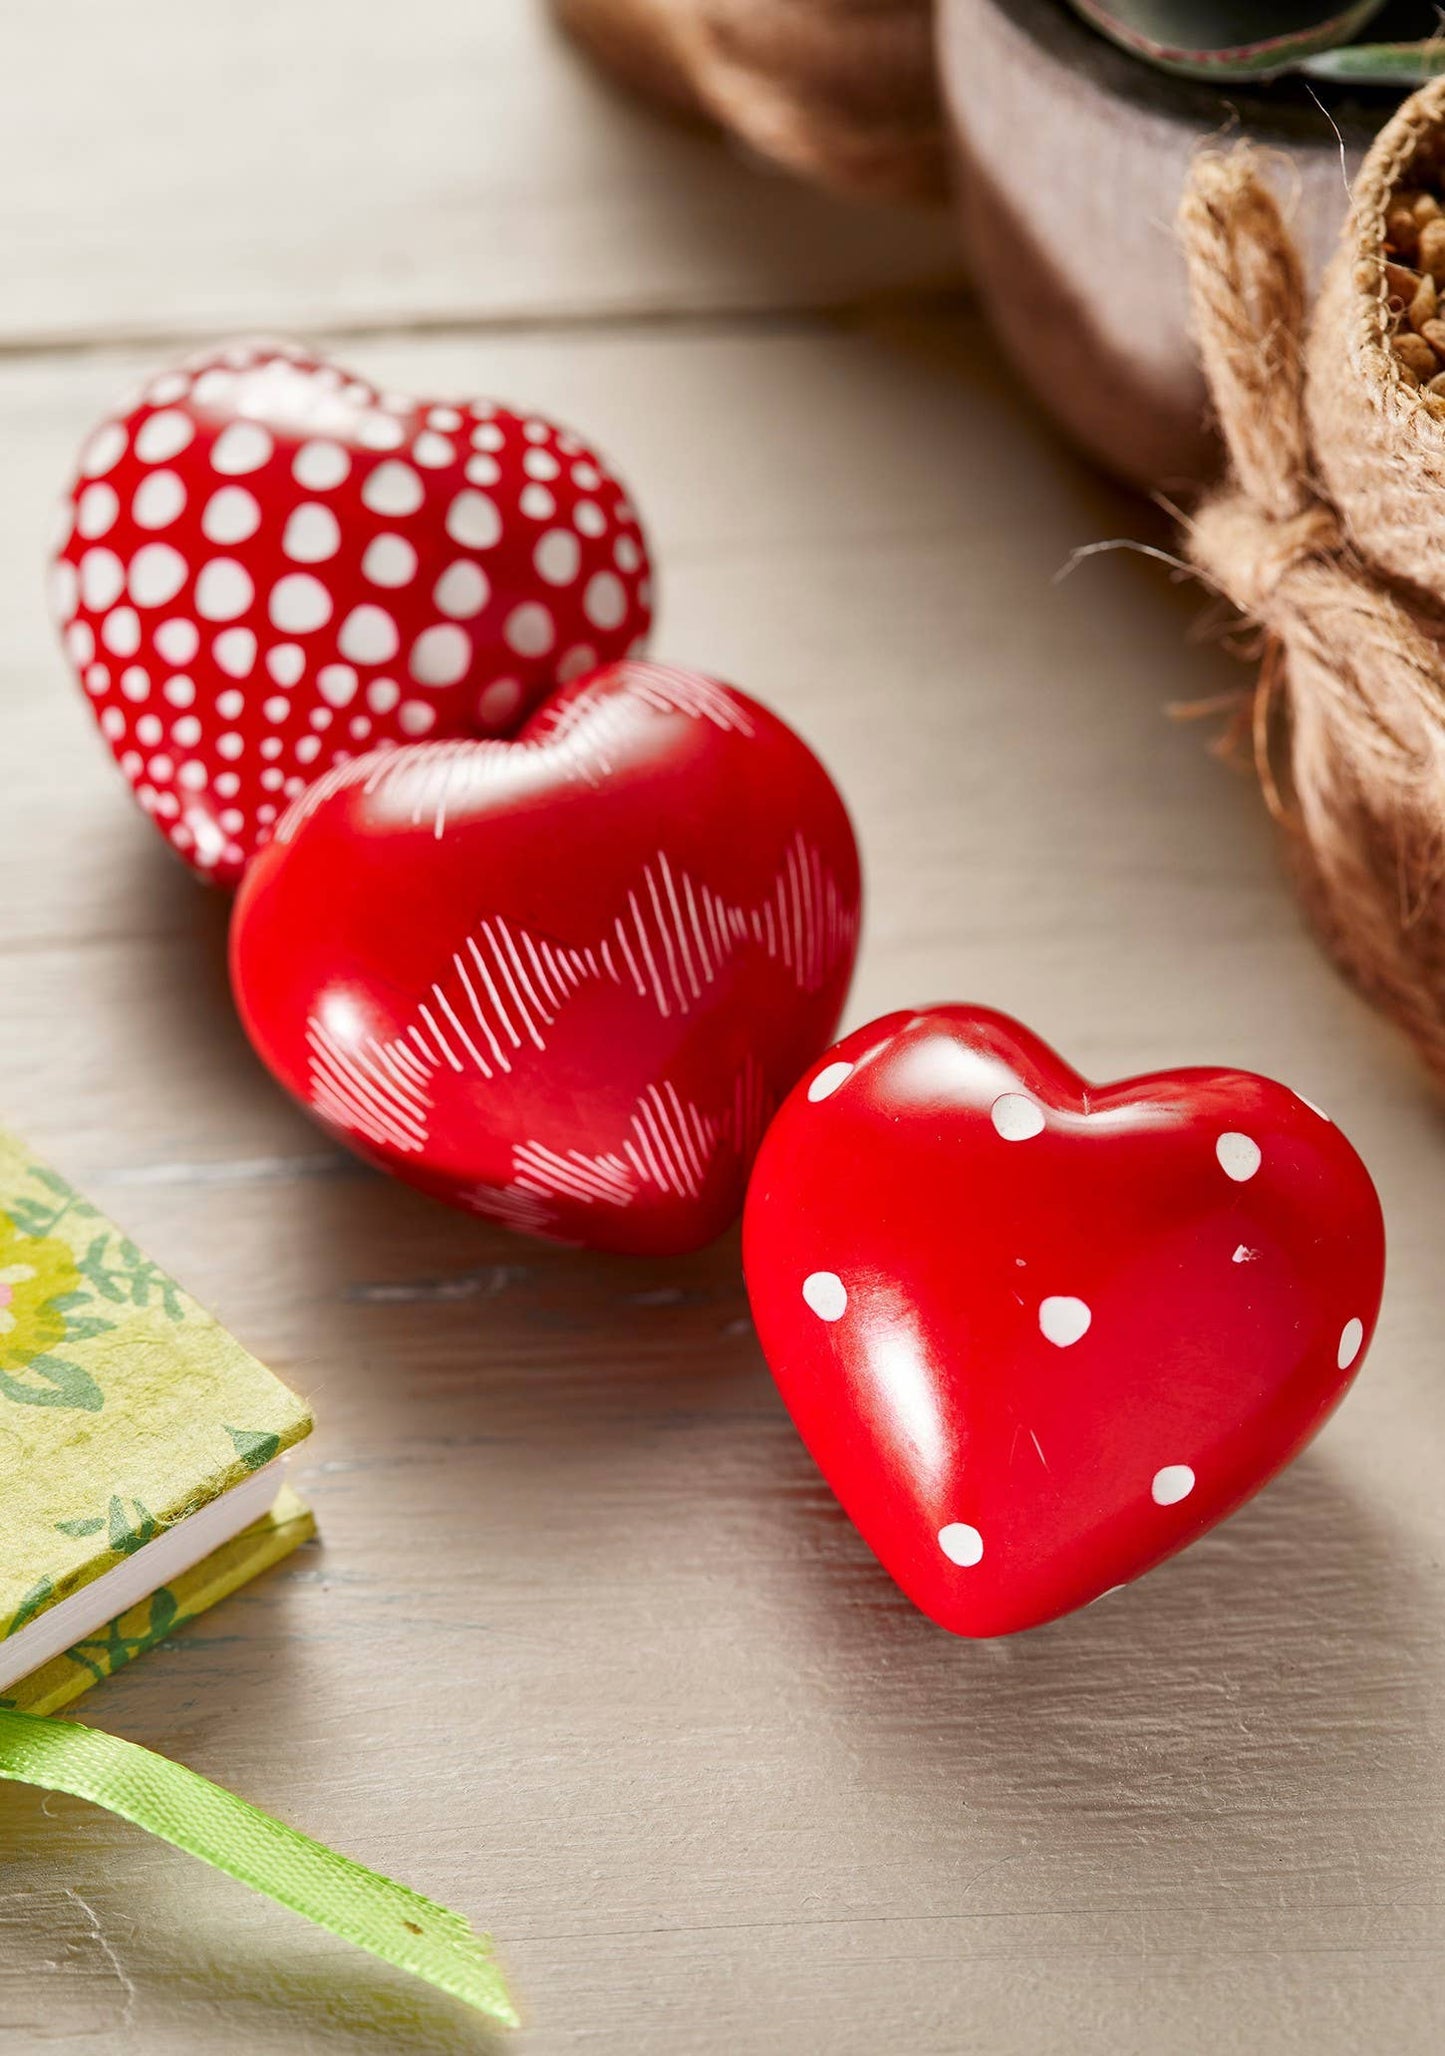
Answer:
[(225, 1570), (123, 1405)]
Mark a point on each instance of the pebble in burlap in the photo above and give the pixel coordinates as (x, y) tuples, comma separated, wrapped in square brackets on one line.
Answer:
[(1330, 533)]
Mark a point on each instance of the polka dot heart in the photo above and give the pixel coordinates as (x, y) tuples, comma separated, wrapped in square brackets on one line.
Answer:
[(267, 565), (1040, 1333)]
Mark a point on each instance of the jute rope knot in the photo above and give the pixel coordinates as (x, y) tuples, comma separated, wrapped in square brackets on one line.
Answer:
[(1316, 537)]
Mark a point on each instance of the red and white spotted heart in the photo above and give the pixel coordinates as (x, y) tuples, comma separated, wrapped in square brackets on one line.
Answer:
[(267, 566)]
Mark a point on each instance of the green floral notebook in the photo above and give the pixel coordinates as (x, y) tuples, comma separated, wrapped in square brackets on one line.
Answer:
[(136, 1436)]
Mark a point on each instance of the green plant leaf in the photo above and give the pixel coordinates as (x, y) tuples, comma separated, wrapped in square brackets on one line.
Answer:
[(254, 1447), (61, 1384), (81, 1528), (1379, 64), (1227, 39)]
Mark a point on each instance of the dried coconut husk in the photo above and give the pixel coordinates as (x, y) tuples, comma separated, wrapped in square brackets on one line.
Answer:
[(842, 92), (1330, 534)]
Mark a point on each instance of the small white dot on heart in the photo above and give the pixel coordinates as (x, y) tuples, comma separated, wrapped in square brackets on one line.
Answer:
[(483, 471), (104, 450), (1064, 1320), (312, 534), (229, 745), (96, 510), (230, 705), (97, 678), (530, 630), (337, 684), (164, 436), (232, 820), (473, 521), (192, 776), (214, 387), (589, 519), (605, 600), (828, 1080), (160, 499), (625, 554), (235, 651), (488, 437), (223, 590), (286, 662), (120, 631), (135, 683), (299, 604), (180, 691), (1016, 1117), (157, 573), (178, 640), (537, 503), (462, 590), (308, 749), (162, 769), (380, 432), (102, 579), (319, 466), (498, 702), (368, 635), (393, 489), (1239, 1156), (171, 385), (826, 1294), (540, 464), (433, 451), (1173, 1483), (320, 717), (277, 707), (112, 723), (294, 787), (382, 695), (587, 476), (390, 560), (1351, 1337), (227, 784), (186, 732), (359, 727), (242, 447), (132, 763), (581, 657), (272, 779), (443, 417), (415, 717), (961, 1544), (80, 643), (148, 730), (440, 655), (558, 556), (231, 515)]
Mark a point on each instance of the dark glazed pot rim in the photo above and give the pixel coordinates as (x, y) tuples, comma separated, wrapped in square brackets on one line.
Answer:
[(1282, 113)]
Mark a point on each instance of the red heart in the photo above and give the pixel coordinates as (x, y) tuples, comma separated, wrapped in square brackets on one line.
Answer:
[(268, 565), (1040, 1334), (561, 981)]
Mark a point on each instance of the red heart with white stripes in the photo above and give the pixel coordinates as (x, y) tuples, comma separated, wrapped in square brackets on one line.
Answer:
[(268, 566), (562, 981)]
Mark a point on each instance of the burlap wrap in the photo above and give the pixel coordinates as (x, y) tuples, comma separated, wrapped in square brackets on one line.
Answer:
[(1330, 533)]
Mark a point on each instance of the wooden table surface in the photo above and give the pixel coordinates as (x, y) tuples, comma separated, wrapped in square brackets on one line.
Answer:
[(587, 1650)]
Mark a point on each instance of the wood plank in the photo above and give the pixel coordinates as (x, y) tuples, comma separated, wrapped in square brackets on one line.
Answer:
[(169, 169), (587, 1650)]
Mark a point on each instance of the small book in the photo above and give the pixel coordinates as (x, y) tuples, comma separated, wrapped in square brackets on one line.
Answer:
[(142, 1449)]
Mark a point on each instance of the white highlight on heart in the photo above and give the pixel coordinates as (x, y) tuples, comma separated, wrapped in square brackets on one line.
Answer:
[(368, 636), (1351, 1337), (235, 651), (320, 465), (558, 556), (164, 436), (1063, 1320), (178, 640), (473, 521), (462, 590), (390, 560), (159, 500), (223, 590), (828, 1080), (1171, 1484), (300, 604), (243, 446), (96, 510), (1239, 1156), (605, 600), (1016, 1117), (530, 630), (440, 655), (157, 573), (826, 1294), (393, 489), (312, 534), (1245, 1255), (961, 1544)]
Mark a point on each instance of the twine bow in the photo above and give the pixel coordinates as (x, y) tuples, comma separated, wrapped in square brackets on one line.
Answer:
[(1356, 655)]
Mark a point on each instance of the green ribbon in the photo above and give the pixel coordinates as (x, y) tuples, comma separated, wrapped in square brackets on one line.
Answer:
[(376, 1913)]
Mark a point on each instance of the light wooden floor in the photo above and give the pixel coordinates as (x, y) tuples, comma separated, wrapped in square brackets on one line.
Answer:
[(587, 1650)]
